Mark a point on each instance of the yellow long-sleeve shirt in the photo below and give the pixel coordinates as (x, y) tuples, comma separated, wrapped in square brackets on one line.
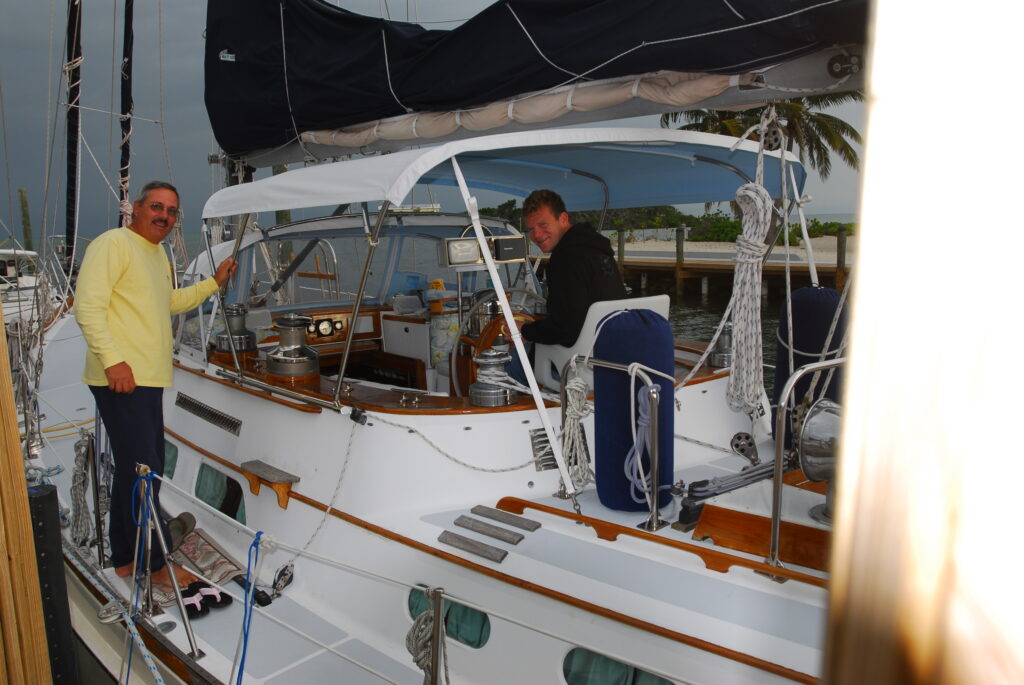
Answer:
[(123, 303)]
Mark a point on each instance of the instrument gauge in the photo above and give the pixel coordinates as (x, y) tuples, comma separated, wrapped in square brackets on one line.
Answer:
[(338, 325), (311, 328), (325, 327)]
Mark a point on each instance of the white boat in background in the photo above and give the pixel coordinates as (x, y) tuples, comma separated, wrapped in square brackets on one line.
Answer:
[(363, 488), (19, 281)]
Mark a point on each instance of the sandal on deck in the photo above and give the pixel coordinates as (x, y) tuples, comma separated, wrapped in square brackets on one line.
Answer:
[(209, 595), (194, 606)]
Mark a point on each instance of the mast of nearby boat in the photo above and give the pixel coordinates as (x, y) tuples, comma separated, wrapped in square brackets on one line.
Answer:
[(127, 109), (73, 125)]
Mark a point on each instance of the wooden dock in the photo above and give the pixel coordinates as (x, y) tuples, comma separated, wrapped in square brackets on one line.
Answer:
[(664, 274)]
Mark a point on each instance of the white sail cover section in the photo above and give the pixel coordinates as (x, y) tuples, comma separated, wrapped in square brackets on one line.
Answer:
[(590, 167), (673, 89)]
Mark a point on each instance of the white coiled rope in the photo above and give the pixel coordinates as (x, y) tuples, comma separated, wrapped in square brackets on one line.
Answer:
[(419, 641), (81, 526), (746, 380), (577, 459)]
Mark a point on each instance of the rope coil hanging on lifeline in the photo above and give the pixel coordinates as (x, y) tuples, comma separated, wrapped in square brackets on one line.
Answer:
[(419, 641), (573, 446), (745, 379)]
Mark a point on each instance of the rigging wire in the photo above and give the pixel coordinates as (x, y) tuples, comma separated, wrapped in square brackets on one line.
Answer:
[(102, 173), (160, 81), (287, 93)]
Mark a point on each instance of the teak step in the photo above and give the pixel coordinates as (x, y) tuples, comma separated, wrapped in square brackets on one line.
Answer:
[(489, 529), (505, 517), (472, 546), (259, 472)]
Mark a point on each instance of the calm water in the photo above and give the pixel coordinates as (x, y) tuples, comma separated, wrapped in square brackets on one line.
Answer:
[(696, 317)]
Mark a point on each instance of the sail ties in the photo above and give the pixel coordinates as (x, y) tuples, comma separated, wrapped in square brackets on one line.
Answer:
[(746, 380)]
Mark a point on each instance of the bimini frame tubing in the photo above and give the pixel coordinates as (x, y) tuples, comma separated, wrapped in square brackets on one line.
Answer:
[(510, 322), (372, 240)]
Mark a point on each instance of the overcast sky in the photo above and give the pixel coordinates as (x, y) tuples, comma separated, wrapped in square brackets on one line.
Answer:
[(171, 33)]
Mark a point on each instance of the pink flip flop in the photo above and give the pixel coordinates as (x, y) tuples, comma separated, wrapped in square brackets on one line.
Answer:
[(210, 596)]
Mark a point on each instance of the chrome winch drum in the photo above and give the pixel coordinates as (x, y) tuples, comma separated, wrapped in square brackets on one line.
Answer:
[(292, 357), (721, 356), (817, 448), (244, 340), (490, 366)]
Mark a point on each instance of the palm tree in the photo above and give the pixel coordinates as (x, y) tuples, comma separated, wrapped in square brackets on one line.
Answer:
[(813, 133)]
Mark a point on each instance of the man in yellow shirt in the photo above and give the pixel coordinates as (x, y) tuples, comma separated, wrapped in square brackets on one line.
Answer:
[(123, 303)]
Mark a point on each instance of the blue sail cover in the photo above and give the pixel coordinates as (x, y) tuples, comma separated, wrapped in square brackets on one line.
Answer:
[(275, 69)]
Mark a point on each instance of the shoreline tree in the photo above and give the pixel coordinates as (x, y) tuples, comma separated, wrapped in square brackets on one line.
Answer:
[(812, 133)]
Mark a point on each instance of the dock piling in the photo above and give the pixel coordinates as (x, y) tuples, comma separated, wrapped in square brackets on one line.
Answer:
[(840, 257)]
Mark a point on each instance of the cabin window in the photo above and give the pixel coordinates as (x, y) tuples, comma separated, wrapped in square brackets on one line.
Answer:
[(468, 626), (170, 459), (221, 492), (583, 667)]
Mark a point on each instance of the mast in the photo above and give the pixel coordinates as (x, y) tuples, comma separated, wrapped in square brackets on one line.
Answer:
[(127, 109), (73, 126)]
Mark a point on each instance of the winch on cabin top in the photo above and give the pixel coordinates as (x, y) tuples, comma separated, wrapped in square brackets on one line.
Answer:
[(292, 357)]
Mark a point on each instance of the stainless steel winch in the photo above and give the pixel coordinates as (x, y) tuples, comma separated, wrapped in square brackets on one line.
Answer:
[(721, 356), (244, 340), (292, 357), (817, 448), (490, 366)]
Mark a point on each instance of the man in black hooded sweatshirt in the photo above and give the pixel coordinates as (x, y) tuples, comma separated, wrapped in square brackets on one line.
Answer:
[(580, 272)]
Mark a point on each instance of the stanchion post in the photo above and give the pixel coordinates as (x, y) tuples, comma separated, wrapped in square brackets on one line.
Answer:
[(437, 643)]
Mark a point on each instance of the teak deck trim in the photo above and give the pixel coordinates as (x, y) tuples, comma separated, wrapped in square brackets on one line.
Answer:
[(604, 612)]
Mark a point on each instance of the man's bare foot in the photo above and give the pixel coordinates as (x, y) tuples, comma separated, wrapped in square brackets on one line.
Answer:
[(185, 578), (162, 576)]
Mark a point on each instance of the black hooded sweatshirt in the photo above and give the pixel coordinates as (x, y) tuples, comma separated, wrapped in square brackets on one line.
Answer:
[(581, 271)]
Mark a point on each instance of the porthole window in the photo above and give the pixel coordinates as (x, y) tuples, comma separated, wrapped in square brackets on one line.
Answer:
[(170, 459), (583, 667), (220, 492), (468, 626)]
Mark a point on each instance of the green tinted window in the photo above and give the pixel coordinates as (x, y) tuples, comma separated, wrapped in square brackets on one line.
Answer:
[(468, 626), (583, 667), (221, 492), (170, 459)]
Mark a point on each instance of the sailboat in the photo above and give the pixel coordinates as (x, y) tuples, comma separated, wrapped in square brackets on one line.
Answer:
[(384, 503)]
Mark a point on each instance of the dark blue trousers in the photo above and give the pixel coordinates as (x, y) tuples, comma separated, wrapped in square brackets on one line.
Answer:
[(135, 424)]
